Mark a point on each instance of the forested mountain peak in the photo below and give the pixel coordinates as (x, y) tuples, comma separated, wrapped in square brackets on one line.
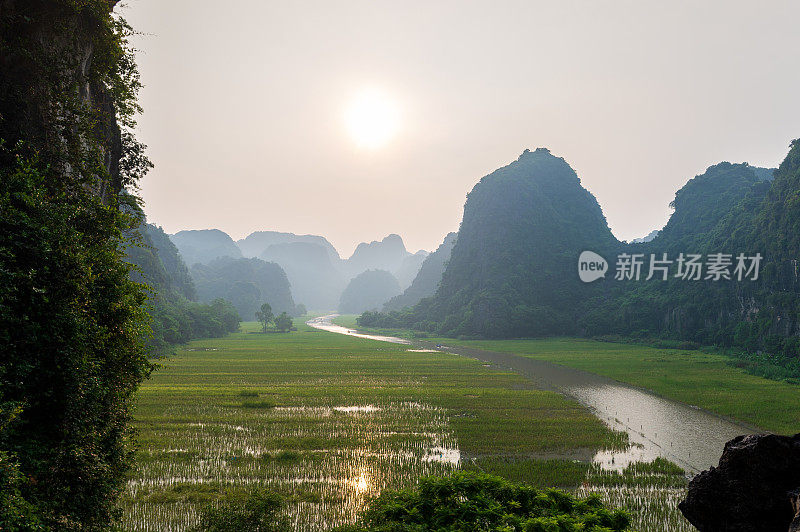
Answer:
[(511, 271), (705, 200), (256, 243), (204, 245)]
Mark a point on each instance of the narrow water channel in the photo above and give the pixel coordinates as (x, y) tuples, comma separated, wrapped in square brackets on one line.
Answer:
[(684, 434)]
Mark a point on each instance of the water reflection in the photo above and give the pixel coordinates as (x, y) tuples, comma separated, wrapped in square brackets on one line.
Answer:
[(362, 449), (443, 455), (325, 323), (684, 434)]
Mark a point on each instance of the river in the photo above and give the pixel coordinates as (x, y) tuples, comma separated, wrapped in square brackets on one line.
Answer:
[(684, 434)]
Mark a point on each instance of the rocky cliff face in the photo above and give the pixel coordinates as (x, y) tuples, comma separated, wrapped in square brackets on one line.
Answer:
[(754, 488), (60, 43)]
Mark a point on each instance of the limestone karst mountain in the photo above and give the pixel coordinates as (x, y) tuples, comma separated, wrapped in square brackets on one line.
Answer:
[(256, 243), (511, 271), (368, 291), (428, 277), (204, 245), (387, 254), (247, 283), (316, 281)]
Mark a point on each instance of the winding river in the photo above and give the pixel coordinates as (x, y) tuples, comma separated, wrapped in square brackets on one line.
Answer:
[(686, 435)]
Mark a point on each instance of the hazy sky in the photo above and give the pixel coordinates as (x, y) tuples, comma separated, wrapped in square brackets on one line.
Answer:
[(245, 105)]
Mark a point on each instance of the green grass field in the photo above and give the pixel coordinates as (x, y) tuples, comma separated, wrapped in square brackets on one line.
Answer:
[(328, 420), (694, 377)]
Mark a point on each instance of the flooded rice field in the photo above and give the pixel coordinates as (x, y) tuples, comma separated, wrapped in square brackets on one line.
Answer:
[(330, 420), (374, 447), (657, 428)]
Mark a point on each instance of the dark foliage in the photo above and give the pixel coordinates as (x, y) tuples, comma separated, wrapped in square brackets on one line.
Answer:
[(72, 324), (71, 319), (283, 322), (260, 512), (175, 318), (265, 316), (466, 501)]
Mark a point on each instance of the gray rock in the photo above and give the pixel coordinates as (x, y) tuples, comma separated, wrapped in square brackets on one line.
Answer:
[(751, 489)]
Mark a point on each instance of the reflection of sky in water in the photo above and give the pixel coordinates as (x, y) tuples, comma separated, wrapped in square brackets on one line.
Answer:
[(324, 323), (443, 455), (619, 460), (688, 436)]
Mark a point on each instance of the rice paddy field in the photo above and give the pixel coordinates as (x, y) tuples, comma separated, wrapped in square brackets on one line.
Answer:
[(329, 421)]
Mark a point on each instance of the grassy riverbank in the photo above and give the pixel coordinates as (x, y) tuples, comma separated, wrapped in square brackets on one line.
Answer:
[(694, 377)]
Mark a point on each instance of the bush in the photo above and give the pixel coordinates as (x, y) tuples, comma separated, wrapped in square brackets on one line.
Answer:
[(468, 501), (16, 513), (259, 513)]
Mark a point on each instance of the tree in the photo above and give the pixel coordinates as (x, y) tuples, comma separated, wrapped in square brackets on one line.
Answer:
[(283, 322), (71, 320), (265, 315)]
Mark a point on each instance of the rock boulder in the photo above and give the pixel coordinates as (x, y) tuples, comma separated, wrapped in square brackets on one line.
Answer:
[(754, 488)]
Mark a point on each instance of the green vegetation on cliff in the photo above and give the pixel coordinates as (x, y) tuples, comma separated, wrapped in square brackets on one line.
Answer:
[(513, 270), (246, 283), (368, 290), (71, 319), (175, 316)]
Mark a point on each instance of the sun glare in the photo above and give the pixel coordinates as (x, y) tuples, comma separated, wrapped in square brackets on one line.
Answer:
[(372, 118)]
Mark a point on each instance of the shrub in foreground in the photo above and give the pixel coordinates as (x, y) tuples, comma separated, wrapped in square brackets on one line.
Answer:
[(259, 513), (468, 501)]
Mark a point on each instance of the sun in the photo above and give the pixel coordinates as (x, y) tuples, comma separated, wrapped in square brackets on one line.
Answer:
[(372, 118)]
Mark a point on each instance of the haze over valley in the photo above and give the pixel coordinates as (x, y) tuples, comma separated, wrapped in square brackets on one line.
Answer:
[(381, 266)]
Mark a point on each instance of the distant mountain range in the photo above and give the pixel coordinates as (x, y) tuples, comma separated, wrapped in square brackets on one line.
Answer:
[(205, 245), (313, 267), (427, 280), (510, 271), (256, 243)]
